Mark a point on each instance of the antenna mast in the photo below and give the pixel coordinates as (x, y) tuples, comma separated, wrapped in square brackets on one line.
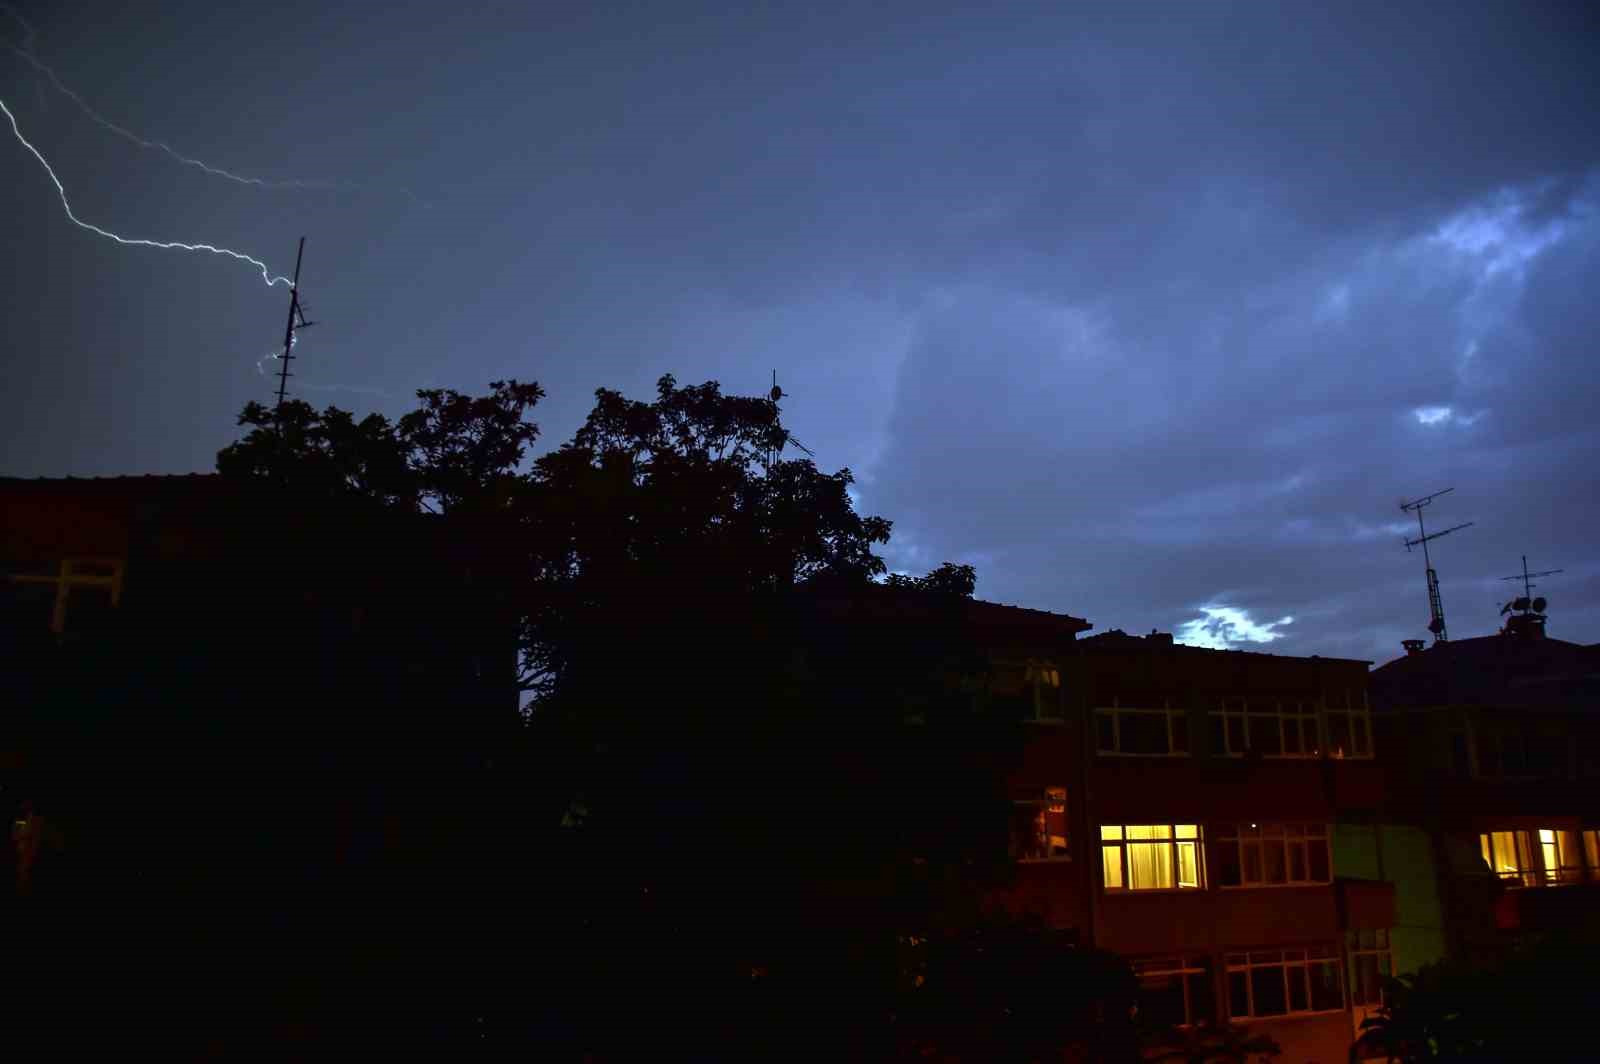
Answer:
[(297, 321), (1435, 603)]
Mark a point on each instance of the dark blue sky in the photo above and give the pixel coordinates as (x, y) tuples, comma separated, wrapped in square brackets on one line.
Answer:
[(1151, 311)]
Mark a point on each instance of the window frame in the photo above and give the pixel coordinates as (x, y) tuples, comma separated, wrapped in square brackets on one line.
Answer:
[(101, 572), (1040, 675), (1047, 796), (1194, 974), (1359, 726), (1382, 950), (1532, 851), (1257, 835), (1251, 713), (1175, 842), (1308, 958), (1116, 711)]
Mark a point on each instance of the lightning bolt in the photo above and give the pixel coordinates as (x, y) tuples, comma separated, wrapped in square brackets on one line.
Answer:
[(165, 245), (156, 145)]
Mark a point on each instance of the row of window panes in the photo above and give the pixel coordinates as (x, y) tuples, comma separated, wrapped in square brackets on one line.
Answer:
[(1152, 857), (1281, 982), (1261, 983), (1292, 731), (1273, 855), (1542, 858)]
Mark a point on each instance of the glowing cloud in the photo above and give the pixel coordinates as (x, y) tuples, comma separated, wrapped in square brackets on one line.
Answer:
[(165, 245), (1220, 627)]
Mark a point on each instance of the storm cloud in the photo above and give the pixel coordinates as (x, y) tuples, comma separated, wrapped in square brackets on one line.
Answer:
[(1153, 312)]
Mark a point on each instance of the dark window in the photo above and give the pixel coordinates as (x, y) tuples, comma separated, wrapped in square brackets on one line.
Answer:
[(1144, 733)]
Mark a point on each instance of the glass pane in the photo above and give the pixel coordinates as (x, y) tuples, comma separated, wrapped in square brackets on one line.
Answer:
[(1111, 862), (1110, 831), (1161, 998), (1297, 862), (1180, 733), (1187, 831), (1189, 865), (1143, 733), (1591, 851), (1274, 864), (1105, 732), (1317, 860), (1236, 743), (1339, 734), (1238, 994), (1363, 734), (1268, 994), (1214, 726), (1227, 862), (1251, 852), (1202, 1009), (1150, 866), (1325, 990), (1298, 995), (1149, 831), (1291, 736), (1265, 736)]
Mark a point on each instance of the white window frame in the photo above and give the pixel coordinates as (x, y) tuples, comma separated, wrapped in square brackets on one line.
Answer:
[(1382, 950), (77, 572), (1116, 711), (1261, 834), (1359, 725), (1114, 838), (1186, 968), (1253, 713), (1300, 960), (1048, 796), (1040, 676)]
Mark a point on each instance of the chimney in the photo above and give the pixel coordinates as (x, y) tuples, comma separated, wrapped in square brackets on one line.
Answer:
[(1413, 646)]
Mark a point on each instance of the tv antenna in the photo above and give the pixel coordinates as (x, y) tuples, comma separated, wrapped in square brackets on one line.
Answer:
[(1527, 603), (773, 451), (1435, 604), (297, 321)]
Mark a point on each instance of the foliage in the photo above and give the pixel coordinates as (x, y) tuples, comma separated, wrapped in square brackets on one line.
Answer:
[(1527, 1003), (452, 451), (948, 579)]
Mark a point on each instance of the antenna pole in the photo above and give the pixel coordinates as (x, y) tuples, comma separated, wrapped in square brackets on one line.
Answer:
[(288, 332), (1435, 602)]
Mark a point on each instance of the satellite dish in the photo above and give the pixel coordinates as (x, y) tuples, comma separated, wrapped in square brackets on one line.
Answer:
[(1520, 604), (776, 393), (1539, 605)]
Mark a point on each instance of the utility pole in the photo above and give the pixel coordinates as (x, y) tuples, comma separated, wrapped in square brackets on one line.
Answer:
[(1435, 604)]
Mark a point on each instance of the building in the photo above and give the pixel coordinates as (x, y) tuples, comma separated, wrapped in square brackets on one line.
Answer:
[(1499, 739), (261, 669)]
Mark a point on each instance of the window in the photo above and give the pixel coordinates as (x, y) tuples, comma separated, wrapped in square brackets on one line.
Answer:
[(1502, 752), (92, 587), (1460, 745), (1039, 825), (1283, 982), (1542, 858), (1158, 731), (1027, 691), (1349, 726), (1370, 964), (1266, 726), (1272, 855), (1151, 856), (1175, 991)]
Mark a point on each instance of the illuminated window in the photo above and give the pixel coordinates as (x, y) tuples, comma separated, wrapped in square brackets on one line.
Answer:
[(1157, 731), (1371, 963), (1039, 825), (1349, 726), (1027, 690), (1175, 991), (1283, 982), (1270, 727), (1272, 855), (1151, 856), (1559, 851), (1591, 852), (80, 592), (1509, 855)]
